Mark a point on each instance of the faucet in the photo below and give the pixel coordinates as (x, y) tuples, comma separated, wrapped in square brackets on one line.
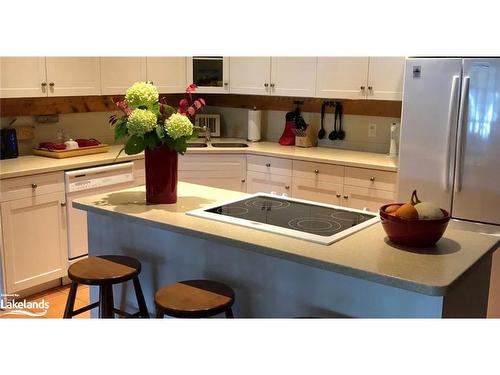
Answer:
[(208, 136)]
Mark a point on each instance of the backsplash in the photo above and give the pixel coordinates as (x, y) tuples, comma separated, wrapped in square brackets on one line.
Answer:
[(234, 122)]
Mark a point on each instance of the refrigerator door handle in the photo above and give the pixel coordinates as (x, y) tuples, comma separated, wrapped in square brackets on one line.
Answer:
[(452, 110), (462, 118)]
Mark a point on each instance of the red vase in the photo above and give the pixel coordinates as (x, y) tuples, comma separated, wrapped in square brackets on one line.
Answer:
[(161, 175)]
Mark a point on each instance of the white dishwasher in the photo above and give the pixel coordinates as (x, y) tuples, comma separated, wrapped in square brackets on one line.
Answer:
[(86, 182)]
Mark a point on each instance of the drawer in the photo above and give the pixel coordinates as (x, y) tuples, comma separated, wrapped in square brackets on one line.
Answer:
[(320, 191), (212, 162), (269, 164), (258, 182), (30, 186), (364, 198), (319, 171), (139, 168), (228, 183), (370, 178)]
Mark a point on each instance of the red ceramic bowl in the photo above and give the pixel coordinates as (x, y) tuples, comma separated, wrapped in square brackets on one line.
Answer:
[(413, 232)]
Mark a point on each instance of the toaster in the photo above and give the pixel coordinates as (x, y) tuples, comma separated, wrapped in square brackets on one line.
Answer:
[(9, 148)]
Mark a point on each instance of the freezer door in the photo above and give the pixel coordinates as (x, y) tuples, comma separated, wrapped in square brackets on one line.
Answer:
[(477, 172), (428, 129)]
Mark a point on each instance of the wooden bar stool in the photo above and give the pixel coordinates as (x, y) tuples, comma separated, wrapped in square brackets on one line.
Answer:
[(194, 299), (105, 271)]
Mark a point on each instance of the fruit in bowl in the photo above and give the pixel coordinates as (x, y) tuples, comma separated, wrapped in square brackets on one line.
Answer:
[(414, 223)]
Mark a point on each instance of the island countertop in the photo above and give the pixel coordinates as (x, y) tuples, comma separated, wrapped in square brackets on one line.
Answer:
[(367, 254)]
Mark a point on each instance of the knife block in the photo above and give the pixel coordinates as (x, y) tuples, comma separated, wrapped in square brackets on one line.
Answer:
[(308, 138)]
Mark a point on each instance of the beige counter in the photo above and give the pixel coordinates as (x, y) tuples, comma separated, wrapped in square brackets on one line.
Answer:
[(28, 165), (366, 254)]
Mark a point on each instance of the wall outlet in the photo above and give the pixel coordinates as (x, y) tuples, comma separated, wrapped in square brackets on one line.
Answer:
[(372, 130)]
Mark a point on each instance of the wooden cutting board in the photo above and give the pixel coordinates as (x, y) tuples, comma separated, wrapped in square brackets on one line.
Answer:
[(61, 154)]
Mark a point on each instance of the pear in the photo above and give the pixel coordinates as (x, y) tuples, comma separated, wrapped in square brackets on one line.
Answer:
[(407, 210)]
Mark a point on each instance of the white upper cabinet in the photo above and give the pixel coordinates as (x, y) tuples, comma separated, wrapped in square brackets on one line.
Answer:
[(209, 73), (293, 76), (119, 73), (168, 74), (385, 78), (22, 77), (342, 77), (68, 76), (250, 75)]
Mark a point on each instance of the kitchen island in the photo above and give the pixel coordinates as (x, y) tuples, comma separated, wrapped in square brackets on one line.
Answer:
[(362, 275)]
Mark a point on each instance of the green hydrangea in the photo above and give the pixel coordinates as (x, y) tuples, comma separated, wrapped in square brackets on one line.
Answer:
[(142, 94), (178, 126), (141, 121)]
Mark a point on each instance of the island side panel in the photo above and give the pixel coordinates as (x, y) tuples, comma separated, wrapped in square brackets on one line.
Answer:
[(265, 286)]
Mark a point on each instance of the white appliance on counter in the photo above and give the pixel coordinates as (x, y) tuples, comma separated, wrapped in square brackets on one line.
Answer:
[(450, 144), (86, 182)]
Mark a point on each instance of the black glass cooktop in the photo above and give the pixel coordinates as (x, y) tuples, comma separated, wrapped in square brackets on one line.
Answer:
[(304, 217)]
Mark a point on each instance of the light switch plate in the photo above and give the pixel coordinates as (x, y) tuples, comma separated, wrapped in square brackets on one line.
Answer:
[(372, 130)]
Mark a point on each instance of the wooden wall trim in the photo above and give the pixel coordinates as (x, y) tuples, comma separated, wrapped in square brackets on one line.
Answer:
[(77, 104)]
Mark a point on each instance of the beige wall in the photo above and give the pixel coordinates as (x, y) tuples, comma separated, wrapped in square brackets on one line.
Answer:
[(233, 124)]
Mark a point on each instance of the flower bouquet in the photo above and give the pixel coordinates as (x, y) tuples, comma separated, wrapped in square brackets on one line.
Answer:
[(158, 129)]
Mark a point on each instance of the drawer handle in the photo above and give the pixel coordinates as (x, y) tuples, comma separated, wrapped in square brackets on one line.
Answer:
[(34, 186), (268, 165), (287, 187), (63, 204), (316, 171), (346, 196), (243, 180), (338, 195), (372, 179)]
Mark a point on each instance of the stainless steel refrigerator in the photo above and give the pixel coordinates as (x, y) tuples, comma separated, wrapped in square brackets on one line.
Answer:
[(450, 141)]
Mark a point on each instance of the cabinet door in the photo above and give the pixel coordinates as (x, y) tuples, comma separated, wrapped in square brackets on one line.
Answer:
[(316, 190), (34, 239), (22, 77), (249, 75), (259, 182), (68, 76), (342, 77), (366, 199), (228, 183), (385, 78), (293, 76), (209, 73), (168, 74), (119, 73)]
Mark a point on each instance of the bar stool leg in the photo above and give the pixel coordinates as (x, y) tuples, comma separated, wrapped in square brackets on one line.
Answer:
[(143, 308), (70, 303), (106, 304), (229, 313)]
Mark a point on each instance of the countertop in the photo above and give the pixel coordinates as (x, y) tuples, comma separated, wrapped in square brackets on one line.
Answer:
[(32, 164), (366, 254)]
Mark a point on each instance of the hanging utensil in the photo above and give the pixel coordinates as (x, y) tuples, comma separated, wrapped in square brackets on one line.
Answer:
[(334, 134), (341, 134), (322, 132)]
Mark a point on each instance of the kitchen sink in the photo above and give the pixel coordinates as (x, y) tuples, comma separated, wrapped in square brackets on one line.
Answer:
[(229, 144), (195, 144)]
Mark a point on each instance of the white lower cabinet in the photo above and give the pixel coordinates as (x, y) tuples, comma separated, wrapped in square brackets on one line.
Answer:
[(315, 190), (365, 198), (34, 240), (261, 182)]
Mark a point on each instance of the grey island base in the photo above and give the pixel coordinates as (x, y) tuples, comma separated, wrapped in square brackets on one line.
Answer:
[(362, 275)]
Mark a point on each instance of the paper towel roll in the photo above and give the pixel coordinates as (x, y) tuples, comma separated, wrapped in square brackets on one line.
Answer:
[(254, 117)]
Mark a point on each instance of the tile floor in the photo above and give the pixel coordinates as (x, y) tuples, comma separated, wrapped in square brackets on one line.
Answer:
[(57, 302)]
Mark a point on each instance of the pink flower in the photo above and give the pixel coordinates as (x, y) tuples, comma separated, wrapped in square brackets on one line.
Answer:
[(191, 88)]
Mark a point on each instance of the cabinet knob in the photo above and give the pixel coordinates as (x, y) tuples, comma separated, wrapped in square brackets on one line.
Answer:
[(34, 186), (338, 195), (266, 84), (243, 180), (362, 88), (226, 84), (51, 84), (268, 165), (346, 196), (44, 84), (370, 88), (372, 179), (63, 204), (287, 187), (316, 171), (272, 85)]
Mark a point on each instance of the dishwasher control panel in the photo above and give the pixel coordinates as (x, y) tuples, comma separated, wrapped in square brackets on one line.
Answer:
[(98, 177)]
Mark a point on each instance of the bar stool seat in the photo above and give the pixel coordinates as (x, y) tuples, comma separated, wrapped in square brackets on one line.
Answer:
[(105, 271), (194, 299)]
